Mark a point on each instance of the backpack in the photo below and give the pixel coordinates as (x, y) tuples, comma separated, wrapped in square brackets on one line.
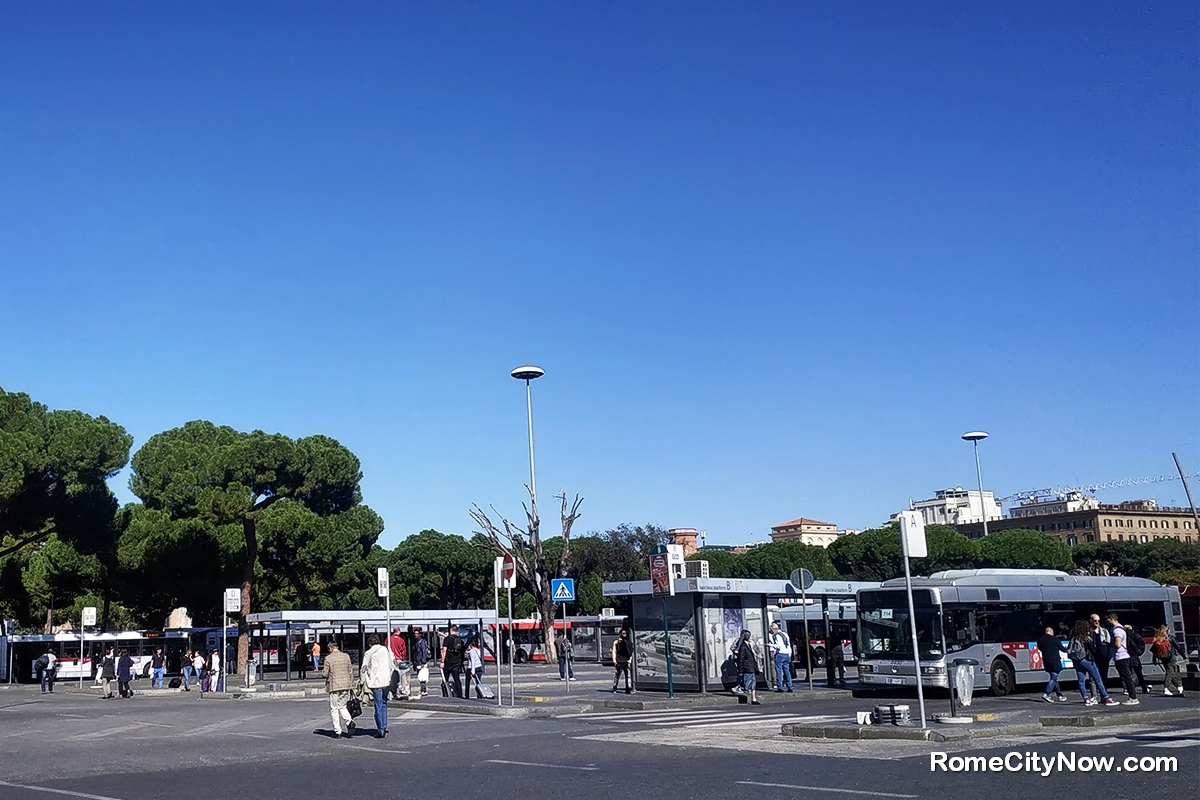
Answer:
[(1078, 651), (1160, 649), (1135, 644), (42, 662), (623, 648)]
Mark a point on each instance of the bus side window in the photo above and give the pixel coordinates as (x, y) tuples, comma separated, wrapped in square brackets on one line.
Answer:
[(960, 629)]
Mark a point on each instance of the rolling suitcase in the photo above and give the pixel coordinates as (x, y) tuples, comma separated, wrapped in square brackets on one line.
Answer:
[(483, 691)]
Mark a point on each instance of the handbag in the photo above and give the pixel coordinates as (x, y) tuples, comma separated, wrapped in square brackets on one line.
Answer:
[(354, 707), (423, 674)]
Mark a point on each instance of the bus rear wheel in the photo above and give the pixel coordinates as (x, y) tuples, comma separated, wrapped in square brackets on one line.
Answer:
[(522, 656), (1004, 680)]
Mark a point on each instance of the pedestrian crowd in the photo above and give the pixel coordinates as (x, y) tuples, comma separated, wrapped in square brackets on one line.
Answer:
[(1095, 646)]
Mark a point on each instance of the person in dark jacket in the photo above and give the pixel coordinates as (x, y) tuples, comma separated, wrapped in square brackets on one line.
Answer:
[(108, 673), (1050, 646), (747, 667), (124, 674), (300, 660)]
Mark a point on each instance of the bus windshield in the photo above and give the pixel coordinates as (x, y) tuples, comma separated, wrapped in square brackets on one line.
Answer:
[(884, 630)]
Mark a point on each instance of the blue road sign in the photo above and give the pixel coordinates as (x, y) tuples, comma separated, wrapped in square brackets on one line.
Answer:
[(562, 590)]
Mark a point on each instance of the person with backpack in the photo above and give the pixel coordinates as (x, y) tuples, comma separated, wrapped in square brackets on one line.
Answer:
[(1050, 646), (1081, 655), (452, 660), (566, 656), (200, 667), (44, 669), (1137, 648), (1167, 652), (747, 666), (622, 655), (1121, 657), (108, 673), (781, 652)]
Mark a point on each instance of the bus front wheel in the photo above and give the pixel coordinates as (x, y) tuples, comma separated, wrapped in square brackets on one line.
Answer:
[(1004, 680)]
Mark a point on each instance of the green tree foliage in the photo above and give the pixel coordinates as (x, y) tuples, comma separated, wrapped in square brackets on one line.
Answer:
[(619, 554), (53, 468), (1177, 577), (876, 555), (222, 477), (1137, 559), (773, 560), (443, 570), (1025, 549)]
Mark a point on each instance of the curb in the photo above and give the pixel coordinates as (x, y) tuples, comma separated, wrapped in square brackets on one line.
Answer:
[(507, 712), (1120, 718), (909, 734)]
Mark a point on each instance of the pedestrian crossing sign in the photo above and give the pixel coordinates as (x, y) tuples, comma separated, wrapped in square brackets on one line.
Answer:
[(562, 590)]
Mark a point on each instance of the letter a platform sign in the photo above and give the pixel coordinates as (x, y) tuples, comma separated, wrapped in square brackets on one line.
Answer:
[(562, 590)]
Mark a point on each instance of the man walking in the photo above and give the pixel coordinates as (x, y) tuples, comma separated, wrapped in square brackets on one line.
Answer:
[(1050, 646), (316, 656), (1120, 645), (1101, 643), (622, 654), (452, 659), (835, 660), (217, 679), (421, 660), (566, 656), (781, 652), (376, 673), (158, 668), (339, 680), (44, 667)]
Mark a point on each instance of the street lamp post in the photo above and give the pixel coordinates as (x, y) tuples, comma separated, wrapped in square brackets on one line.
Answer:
[(527, 374), (975, 437)]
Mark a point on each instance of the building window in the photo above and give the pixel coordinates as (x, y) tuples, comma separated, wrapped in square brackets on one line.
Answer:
[(1071, 540), (1108, 523), (1176, 523), (1089, 538), (1110, 537), (1143, 542), (1141, 524)]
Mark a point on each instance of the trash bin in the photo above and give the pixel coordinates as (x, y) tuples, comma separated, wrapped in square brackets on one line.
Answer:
[(252, 675), (962, 683)]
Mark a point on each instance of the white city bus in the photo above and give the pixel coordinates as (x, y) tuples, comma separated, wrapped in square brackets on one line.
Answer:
[(994, 616)]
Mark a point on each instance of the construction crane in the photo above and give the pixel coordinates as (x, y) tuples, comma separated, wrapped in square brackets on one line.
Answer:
[(1091, 488)]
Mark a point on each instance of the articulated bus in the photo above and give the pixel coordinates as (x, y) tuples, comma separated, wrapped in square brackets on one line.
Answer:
[(591, 638), (994, 616), (25, 649)]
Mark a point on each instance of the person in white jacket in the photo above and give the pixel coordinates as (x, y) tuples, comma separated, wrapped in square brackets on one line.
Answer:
[(376, 673)]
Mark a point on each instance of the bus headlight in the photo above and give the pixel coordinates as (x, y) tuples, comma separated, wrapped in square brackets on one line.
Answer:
[(866, 668), (932, 670)]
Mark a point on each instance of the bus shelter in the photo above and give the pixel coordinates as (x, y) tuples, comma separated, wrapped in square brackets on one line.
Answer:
[(705, 618), (351, 628)]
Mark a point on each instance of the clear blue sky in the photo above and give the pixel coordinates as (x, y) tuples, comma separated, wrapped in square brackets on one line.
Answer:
[(775, 258)]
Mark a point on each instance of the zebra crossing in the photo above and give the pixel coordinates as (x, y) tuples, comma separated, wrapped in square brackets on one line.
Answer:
[(1167, 740), (701, 719)]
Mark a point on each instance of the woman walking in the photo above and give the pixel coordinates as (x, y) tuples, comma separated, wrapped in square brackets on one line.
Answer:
[(1166, 651), (747, 667), (1080, 653), (124, 674), (474, 665)]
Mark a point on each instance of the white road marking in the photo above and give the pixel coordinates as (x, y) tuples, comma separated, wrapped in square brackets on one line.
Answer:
[(545, 766), (133, 726), (823, 789), (376, 749), (249, 735), (67, 792), (1178, 743), (772, 720), (216, 726)]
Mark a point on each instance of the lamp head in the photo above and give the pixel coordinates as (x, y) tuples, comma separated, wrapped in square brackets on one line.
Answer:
[(528, 373), (974, 436)]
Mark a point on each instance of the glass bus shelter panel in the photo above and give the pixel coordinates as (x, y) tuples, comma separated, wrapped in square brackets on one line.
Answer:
[(585, 641), (650, 645), (718, 669)]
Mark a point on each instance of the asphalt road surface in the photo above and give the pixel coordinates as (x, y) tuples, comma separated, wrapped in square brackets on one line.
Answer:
[(147, 748)]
